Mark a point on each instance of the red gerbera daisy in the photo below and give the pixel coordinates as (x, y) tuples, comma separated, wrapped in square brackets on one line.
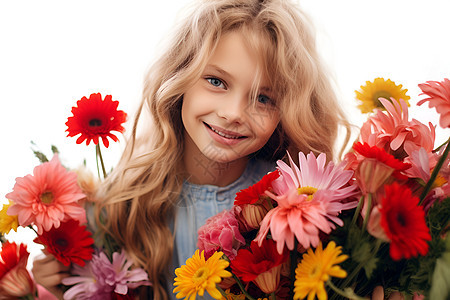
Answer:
[(403, 221), (15, 280), (252, 194), (375, 166), (95, 118), (262, 265), (69, 243)]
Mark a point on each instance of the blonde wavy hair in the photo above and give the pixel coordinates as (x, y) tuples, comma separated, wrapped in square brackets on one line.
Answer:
[(139, 196)]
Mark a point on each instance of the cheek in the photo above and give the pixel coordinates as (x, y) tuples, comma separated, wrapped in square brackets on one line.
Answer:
[(266, 128)]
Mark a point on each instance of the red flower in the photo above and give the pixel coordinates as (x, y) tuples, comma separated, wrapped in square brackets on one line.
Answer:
[(95, 118), (262, 265), (403, 220), (383, 157), (15, 280), (69, 243), (252, 194)]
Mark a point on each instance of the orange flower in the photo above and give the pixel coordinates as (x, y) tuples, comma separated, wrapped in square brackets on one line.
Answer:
[(15, 280), (95, 118)]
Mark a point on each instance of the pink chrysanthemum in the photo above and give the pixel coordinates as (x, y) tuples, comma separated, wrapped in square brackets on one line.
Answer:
[(101, 278), (309, 200), (438, 97), (220, 232), (392, 131), (47, 197)]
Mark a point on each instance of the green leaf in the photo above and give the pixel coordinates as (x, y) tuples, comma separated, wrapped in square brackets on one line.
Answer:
[(55, 150), (370, 266), (440, 288)]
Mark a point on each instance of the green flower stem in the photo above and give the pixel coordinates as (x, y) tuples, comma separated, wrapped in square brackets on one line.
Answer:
[(358, 268), (341, 292), (435, 172), (99, 156), (293, 265), (336, 289), (369, 207), (269, 202), (241, 286), (358, 209), (221, 291), (353, 274), (273, 296)]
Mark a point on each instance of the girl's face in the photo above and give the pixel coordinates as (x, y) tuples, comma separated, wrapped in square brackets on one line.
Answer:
[(217, 112)]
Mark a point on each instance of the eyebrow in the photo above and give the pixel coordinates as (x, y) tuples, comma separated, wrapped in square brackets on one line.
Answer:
[(220, 70), (226, 74)]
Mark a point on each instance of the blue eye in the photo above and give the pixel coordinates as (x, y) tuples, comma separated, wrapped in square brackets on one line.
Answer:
[(216, 82), (264, 99)]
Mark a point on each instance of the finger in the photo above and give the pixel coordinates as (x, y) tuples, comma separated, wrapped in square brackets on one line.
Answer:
[(378, 293)]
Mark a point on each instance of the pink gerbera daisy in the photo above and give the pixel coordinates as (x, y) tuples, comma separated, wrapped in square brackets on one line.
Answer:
[(309, 199), (438, 97), (47, 197), (392, 130)]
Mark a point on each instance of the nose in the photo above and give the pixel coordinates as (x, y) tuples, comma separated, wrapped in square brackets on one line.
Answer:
[(233, 108)]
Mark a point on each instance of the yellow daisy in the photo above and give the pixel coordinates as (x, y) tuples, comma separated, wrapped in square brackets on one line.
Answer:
[(315, 269), (200, 275), (7, 222), (372, 91)]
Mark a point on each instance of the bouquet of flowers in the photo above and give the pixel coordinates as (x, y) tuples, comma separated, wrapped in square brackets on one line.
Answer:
[(316, 229), (52, 201)]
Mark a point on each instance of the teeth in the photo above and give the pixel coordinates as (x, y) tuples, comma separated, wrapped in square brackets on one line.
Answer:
[(224, 134)]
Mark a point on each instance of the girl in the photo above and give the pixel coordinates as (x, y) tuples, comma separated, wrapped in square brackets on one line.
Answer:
[(239, 84)]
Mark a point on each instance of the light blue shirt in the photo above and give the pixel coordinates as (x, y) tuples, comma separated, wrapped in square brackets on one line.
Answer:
[(197, 203)]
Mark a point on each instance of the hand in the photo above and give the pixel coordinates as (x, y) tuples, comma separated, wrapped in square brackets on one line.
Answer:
[(49, 272), (378, 294)]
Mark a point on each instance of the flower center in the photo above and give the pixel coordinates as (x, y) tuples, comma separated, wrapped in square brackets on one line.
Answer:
[(47, 197), (95, 123), (439, 181), (315, 272), (401, 220), (201, 275), (307, 190), (380, 94), (61, 243)]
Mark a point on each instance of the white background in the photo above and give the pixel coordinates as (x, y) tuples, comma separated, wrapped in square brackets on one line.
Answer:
[(54, 52)]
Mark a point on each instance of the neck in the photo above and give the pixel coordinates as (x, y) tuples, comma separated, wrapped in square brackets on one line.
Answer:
[(202, 170)]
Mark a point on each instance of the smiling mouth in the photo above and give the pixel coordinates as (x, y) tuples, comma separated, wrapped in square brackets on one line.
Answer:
[(227, 135)]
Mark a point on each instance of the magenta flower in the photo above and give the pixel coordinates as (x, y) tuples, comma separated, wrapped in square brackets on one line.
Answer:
[(438, 97), (47, 197), (220, 233), (392, 131), (100, 278), (309, 201)]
